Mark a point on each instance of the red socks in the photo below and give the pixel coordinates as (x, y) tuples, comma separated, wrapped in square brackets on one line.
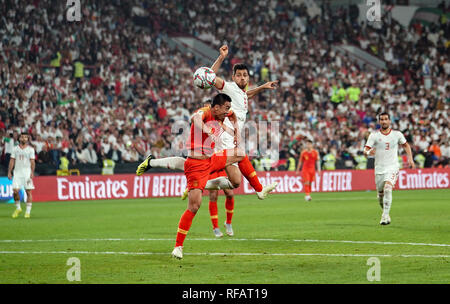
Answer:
[(183, 227), (229, 206), (250, 174), (307, 189), (214, 214)]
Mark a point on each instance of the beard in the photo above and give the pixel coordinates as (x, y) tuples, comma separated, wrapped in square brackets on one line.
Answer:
[(241, 86)]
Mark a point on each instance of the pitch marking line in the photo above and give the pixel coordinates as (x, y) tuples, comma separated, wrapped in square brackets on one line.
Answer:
[(229, 254), (231, 239)]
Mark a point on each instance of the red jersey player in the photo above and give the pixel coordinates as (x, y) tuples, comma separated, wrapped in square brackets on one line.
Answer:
[(309, 158), (207, 124)]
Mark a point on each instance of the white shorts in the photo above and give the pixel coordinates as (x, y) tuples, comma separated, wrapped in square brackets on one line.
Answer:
[(19, 182), (380, 179)]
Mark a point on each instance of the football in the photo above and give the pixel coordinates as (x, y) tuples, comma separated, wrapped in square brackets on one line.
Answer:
[(204, 78)]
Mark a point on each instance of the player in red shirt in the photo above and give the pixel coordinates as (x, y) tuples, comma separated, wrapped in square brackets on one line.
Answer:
[(308, 158), (207, 125)]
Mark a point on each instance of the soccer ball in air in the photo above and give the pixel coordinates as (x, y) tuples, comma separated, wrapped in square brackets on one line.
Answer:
[(204, 78)]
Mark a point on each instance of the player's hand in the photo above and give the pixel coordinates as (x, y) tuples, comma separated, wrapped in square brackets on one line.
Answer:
[(271, 85), (371, 152), (223, 51), (32, 175), (9, 175)]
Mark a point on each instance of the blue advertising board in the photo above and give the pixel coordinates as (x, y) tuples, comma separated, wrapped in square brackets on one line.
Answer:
[(6, 191)]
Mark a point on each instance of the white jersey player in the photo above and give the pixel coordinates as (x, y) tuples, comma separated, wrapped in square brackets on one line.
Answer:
[(23, 162), (383, 144), (236, 89)]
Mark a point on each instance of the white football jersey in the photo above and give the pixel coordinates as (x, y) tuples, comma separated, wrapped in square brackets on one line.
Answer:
[(239, 105), (239, 100), (386, 153), (22, 165)]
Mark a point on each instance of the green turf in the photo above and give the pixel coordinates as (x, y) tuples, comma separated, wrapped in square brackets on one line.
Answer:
[(417, 217)]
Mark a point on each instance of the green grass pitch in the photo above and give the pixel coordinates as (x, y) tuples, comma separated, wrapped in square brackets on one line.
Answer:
[(282, 239)]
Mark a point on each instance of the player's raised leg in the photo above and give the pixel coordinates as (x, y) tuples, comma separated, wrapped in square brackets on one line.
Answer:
[(246, 168), (173, 163)]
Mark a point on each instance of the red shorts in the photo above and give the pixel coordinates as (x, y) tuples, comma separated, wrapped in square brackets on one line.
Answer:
[(309, 175), (198, 171)]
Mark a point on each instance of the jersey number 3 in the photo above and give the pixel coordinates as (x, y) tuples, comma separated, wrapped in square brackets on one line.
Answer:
[(387, 146)]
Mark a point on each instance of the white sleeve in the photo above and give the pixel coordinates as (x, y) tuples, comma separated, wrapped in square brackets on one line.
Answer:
[(13, 153), (370, 141), (401, 138), (226, 87), (32, 154)]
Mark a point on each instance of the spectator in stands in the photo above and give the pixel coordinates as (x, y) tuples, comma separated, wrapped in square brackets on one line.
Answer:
[(88, 155), (115, 154)]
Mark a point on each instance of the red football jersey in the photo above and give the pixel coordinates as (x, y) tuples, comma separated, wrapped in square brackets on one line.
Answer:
[(200, 142), (309, 159)]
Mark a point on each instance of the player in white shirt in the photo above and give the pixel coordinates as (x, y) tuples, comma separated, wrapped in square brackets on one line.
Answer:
[(236, 89), (383, 144), (23, 162)]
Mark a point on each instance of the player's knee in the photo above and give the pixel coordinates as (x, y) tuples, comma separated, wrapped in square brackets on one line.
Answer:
[(229, 194), (380, 194), (236, 182), (387, 188), (194, 208)]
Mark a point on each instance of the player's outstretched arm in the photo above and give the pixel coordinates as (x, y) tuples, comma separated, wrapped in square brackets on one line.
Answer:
[(271, 85), (216, 66), (407, 148)]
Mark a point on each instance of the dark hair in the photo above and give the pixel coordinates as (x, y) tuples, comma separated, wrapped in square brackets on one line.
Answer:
[(239, 66), (384, 113), (309, 141), (220, 99), (24, 133)]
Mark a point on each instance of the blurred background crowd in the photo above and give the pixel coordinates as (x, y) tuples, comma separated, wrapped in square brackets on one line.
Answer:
[(85, 90)]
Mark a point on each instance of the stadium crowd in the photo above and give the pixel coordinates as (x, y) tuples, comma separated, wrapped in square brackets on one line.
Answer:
[(86, 90)]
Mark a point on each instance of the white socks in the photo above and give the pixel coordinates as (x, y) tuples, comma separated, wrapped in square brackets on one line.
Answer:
[(28, 208), (387, 200), (219, 183), (17, 203), (173, 163)]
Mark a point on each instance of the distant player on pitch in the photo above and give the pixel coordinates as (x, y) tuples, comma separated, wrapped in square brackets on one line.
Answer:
[(23, 162), (383, 144), (308, 158)]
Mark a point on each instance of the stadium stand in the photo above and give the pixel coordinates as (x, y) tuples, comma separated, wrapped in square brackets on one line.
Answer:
[(87, 88)]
